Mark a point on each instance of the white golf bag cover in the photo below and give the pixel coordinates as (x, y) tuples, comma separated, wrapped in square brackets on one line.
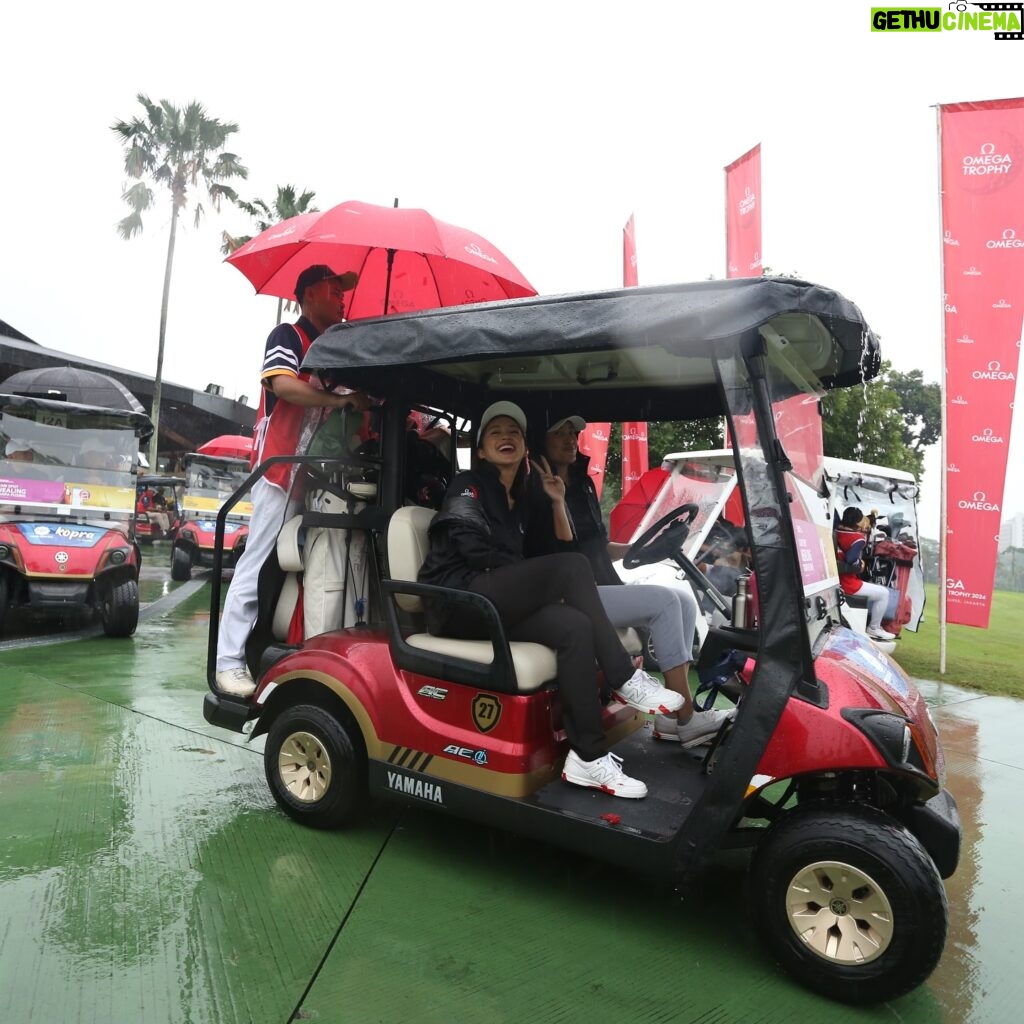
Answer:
[(335, 570)]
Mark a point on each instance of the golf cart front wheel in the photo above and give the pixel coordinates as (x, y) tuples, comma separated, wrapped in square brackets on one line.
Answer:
[(120, 608), (181, 565), (315, 767), (849, 903)]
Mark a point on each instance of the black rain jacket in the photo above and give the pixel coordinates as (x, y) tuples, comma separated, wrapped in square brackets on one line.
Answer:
[(584, 509)]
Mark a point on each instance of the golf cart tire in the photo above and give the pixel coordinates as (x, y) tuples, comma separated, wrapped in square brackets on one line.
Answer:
[(879, 944), (120, 608), (181, 565), (4, 597), (329, 789)]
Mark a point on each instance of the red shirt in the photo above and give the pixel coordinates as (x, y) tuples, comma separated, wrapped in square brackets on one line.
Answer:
[(279, 434), (851, 545)]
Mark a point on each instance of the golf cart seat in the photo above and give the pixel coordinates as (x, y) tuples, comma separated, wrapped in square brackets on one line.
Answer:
[(289, 558), (531, 665)]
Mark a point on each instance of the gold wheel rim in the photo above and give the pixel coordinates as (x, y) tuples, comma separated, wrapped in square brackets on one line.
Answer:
[(304, 767), (840, 912)]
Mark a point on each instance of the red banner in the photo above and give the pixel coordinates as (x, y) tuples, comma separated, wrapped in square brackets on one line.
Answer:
[(630, 278), (634, 454), (797, 421), (982, 185), (594, 442), (743, 215), (634, 435)]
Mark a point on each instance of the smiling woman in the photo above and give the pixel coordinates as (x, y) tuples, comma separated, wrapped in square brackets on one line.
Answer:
[(476, 544)]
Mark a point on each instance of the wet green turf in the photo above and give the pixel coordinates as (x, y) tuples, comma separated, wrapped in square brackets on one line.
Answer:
[(146, 875), (983, 659)]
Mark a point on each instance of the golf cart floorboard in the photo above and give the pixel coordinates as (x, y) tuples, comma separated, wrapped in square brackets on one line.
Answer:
[(675, 781)]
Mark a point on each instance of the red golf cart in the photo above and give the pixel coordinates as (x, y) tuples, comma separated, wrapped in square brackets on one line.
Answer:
[(67, 509), (158, 507), (709, 479), (831, 774), (209, 480)]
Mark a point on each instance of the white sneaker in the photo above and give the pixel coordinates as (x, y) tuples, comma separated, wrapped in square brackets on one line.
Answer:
[(877, 633), (645, 693), (235, 681), (605, 774), (702, 727)]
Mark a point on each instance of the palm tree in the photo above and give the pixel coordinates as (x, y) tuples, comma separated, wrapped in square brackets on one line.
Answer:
[(266, 215), (175, 148)]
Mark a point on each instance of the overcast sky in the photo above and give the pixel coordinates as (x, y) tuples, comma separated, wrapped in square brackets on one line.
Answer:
[(542, 126)]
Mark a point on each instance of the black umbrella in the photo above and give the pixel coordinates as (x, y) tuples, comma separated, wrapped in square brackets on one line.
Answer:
[(72, 384)]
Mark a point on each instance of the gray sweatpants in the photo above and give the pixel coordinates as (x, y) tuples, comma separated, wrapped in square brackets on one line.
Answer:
[(669, 614)]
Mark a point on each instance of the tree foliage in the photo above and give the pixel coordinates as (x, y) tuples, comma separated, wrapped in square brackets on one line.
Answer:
[(287, 203), (888, 421), (181, 150)]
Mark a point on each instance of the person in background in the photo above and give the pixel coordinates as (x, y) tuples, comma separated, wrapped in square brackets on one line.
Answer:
[(851, 539), (19, 451), (288, 394), (669, 614), (476, 544), (98, 460), (155, 509)]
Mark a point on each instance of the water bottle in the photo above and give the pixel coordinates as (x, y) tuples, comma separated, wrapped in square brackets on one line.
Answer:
[(741, 604)]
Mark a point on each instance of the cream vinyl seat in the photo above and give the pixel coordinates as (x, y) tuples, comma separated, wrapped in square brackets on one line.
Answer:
[(408, 545)]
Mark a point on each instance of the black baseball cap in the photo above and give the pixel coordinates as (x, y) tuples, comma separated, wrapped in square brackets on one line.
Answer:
[(321, 272)]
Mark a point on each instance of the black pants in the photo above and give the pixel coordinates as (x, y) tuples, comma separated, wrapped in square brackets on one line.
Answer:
[(553, 601)]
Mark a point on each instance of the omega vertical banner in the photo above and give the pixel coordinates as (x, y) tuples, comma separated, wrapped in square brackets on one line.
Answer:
[(743, 215), (982, 186), (634, 435), (798, 423)]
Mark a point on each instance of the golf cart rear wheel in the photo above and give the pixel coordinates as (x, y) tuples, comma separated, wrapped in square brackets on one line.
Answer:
[(849, 902), (315, 767), (181, 565), (120, 608)]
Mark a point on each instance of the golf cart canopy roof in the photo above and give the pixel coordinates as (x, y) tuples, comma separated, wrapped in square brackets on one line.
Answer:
[(223, 462), (157, 480), (598, 349), (80, 415)]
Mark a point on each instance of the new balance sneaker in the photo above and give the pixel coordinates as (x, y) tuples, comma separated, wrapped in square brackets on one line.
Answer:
[(877, 633), (645, 693), (235, 681), (605, 774), (700, 729)]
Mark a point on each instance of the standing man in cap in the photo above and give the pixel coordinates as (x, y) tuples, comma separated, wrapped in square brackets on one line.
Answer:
[(287, 395)]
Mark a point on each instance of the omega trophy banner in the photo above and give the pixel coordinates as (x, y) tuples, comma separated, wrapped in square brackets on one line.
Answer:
[(798, 420), (594, 444), (982, 183), (634, 435), (743, 215)]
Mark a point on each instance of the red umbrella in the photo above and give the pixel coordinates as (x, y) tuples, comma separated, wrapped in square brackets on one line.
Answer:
[(406, 259), (227, 446), (626, 515)]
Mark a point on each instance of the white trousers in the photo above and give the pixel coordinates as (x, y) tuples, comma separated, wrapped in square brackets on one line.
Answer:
[(270, 508), (878, 602)]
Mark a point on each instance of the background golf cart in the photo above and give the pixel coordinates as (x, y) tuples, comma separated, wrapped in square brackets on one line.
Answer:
[(167, 492), (209, 481), (832, 770), (708, 478), (67, 510)]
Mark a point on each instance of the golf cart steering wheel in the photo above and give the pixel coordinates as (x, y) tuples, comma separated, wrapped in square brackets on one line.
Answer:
[(650, 547), (653, 548)]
